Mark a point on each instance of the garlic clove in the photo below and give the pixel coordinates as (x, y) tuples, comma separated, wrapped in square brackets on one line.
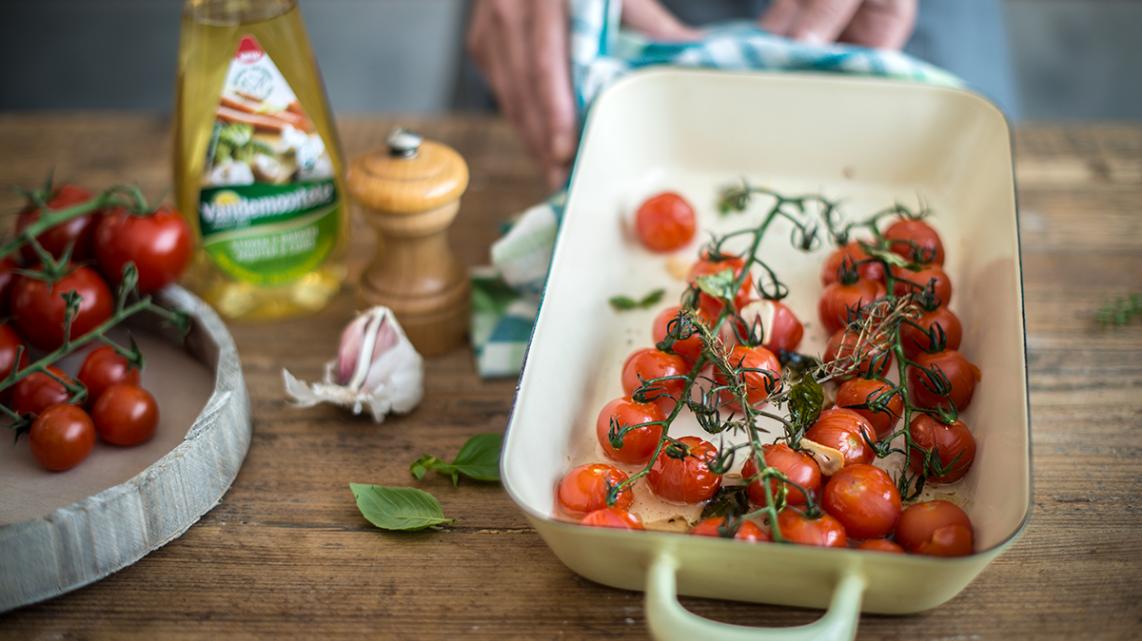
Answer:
[(829, 459)]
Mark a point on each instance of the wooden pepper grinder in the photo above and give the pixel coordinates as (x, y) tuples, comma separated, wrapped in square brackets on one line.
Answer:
[(410, 193)]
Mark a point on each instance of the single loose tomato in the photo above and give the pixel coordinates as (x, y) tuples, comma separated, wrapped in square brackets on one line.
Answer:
[(38, 391), (649, 363), (38, 307), (931, 281), (881, 545), (710, 306), (842, 302), (782, 330), (61, 437), (847, 432), (842, 345), (798, 467), (740, 530), (8, 267), (681, 473), (125, 415), (760, 372), (864, 499), (937, 528), (665, 222), (941, 321), (823, 531), (75, 233), (585, 488), (952, 444), (639, 443), (956, 387), (875, 400), (613, 517), (916, 241), (102, 368), (158, 244), (851, 255)]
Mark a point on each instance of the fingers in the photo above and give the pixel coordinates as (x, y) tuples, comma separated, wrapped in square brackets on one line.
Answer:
[(821, 21), (551, 80), (778, 19), (871, 23), (883, 24), (651, 18)]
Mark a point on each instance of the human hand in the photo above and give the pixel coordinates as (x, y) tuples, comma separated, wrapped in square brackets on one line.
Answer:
[(882, 24)]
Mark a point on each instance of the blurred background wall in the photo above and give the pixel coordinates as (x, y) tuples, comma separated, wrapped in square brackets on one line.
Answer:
[(1073, 59)]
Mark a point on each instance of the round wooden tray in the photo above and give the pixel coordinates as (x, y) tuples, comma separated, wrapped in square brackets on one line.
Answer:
[(62, 531)]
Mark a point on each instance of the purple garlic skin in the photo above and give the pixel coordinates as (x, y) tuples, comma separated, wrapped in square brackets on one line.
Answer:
[(363, 341)]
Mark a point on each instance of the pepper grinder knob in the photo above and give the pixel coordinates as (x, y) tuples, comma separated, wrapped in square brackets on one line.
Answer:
[(409, 193)]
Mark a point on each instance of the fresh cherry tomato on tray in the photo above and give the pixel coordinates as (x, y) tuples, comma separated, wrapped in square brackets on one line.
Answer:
[(584, 489), (916, 241), (665, 222), (841, 302), (38, 307), (847, 432), (712, 307), (798, 467), (125, 415), (955, 387), (874, 400), (682, 474), (761, 372), (37, 391), (937, 528), (823, 531), (930, 283), (61, 437), (941, 321), (649, 363), (952, 444), (159, 244), (849, 256), (638, 444), (864, 499), (102, 368)]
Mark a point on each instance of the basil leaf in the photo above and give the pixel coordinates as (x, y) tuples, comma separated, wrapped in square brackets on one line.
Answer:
[(806, 399), (398, 508), (625, 303), (478, 459), (719, 285)]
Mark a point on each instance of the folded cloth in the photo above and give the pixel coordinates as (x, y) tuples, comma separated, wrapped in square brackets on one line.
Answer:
[(506, 296)]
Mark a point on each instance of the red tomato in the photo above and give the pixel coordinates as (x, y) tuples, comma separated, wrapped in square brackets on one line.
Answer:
[(639, 443), (37, 391), (916, 241), (881, 545), (75, 233), (8, 265), (613, 517), (961, 375), (783, 331), (757, 384), (712, 307), (159, 244), (650, 363), (841, 302), (846, 431), (716, 526), (798, 467), (915, 338), (38, 307), (125, 415), (841, 345), (103, 368), (688, 348), (584, 489), (862, 394), (10, 344), (930, 280), (688, 479), (937, 528), (953, 444), (824, 531), (61, 437), (864, 499), (665, 222), (850, 255)]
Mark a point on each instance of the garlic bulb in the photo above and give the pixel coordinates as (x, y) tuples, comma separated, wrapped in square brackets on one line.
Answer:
[(376, 367)]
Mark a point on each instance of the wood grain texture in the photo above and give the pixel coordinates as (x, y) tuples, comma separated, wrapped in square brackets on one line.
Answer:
[(286, 555)]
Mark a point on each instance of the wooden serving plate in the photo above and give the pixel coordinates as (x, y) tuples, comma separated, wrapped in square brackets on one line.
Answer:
[(62, 531)]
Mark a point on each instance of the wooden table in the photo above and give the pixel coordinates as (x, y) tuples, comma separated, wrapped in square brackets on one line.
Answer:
[(286, 555)]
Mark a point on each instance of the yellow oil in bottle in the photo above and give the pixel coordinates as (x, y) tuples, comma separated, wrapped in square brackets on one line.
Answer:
[(258, 168)]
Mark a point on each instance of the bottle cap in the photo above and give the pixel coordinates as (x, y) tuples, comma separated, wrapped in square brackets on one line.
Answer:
[(411, 175)]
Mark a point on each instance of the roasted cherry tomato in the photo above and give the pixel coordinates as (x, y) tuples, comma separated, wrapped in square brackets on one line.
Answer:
[(10, 344), (930, 282), (864, 499), (688, 348), (741, 530), (841, 345), (938, 528), (757, 383), (916, 339), (881, 545), (960, 377), (125, 414), (61, 437), (8, 267), (681, 473), (846, 431), (37, 391), (841, 302), (874, 400), (638, 444), (613, 517), (824, 531), (584, 489), (38, 307), (103, 368), (798, 467), (850, 256), (649, 363), (916, 241), (952, 445), (782, 329), (75, 233), (665, 222), (158, 244), (710, 306)]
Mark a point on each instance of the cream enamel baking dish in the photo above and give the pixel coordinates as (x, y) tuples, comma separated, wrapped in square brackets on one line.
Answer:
[(868, 142)]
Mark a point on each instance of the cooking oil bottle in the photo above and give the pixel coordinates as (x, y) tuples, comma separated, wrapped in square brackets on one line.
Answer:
[(258, 168)]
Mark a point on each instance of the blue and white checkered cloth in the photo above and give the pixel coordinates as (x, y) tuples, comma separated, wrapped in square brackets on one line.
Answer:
[(506, 295)]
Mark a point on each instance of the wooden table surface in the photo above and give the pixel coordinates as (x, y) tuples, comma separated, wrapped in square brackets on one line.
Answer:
[(286, 554)]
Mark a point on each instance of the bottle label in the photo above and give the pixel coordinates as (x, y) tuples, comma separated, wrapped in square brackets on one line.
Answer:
[(269, 211)]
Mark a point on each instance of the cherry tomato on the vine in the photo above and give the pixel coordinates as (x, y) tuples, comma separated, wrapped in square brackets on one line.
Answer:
[(783, 330), (842, 302), (8, 267), (716, 526), (798, 467), (841, 346), (864, 499), (76, 232), (823, 531), (937, 528), (159, 244), (881, 545), (688, 348), (649, 363), (584, 489), (61, 437), (929, 280), (712, 307), (916, 241), (665, 222), (757, 383), (846, 431), (861, 395), (38, 307), (102, 368), (916, 339), (613, 517), (125, 415), (960, 377), (687, 479), (10, 344), (37, 391), (638, 444), (952, 444), (849, 255)]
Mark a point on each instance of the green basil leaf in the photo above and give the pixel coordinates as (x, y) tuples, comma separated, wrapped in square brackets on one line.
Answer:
[(624, 303), (806, 399), (719, 285), (398, 508), (478, 459)]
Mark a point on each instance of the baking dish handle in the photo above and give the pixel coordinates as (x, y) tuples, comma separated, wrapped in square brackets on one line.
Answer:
[(669, 621)]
